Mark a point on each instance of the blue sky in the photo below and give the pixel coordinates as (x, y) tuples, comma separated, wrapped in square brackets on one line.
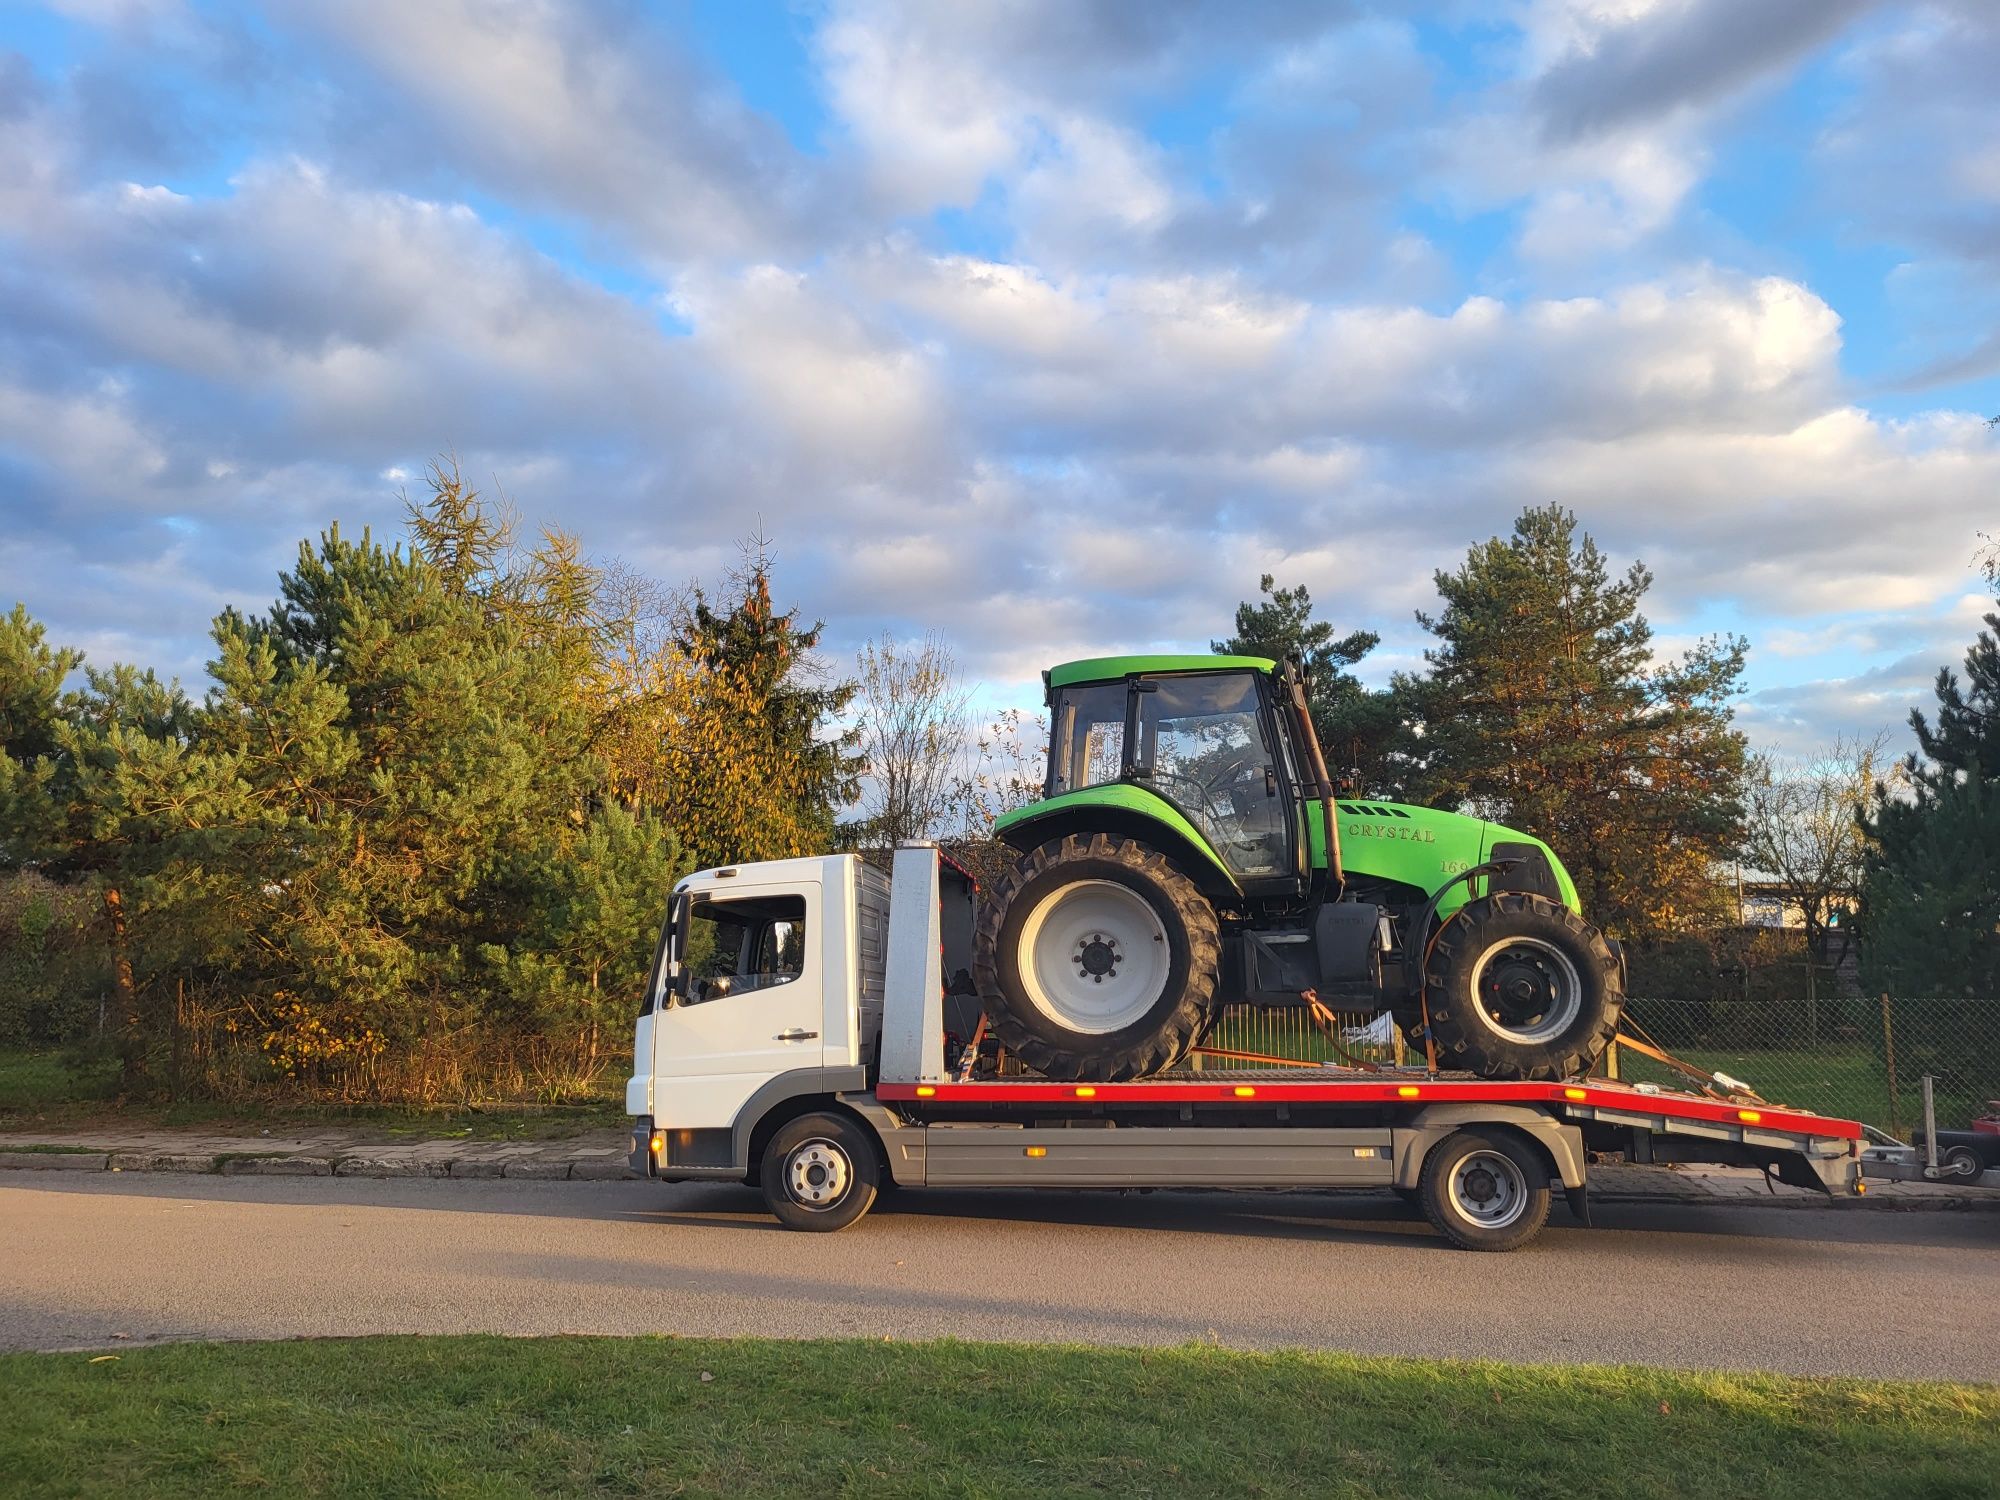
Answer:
[(1048, 325)]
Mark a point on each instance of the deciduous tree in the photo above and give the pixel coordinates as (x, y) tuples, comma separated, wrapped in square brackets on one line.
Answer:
[(911, 713), (1802, 828)]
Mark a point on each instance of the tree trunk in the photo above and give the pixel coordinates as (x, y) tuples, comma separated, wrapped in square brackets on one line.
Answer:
[(132, 1023)]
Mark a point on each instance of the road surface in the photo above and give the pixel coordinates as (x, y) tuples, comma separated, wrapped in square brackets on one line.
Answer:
[(96, 1259)]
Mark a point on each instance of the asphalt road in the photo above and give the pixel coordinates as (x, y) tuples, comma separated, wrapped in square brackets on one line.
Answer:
[(95, 1259)]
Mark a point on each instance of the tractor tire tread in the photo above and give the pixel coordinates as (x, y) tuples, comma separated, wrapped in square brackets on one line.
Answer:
[(1465, 1047), (1184, 1026)]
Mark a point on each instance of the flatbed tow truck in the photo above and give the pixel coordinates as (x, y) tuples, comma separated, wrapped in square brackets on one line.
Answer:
[(793, 1037)]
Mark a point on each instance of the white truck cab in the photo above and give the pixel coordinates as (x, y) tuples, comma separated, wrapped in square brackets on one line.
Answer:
[(767, 986), (793, 1036)]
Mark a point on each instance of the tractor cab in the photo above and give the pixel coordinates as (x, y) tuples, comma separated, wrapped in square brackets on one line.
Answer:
[(1216, 738)]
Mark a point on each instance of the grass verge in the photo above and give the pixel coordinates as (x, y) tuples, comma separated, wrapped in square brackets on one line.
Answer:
[(490, 1416), (52, 1090)]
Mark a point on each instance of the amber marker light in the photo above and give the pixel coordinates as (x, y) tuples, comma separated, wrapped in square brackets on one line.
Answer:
[(1748, 1116), (659, 1142), (1244, 1091), (1086, 1093), (1035, 1150), (1408, 1091), (925, 1091), (1575, 1094)]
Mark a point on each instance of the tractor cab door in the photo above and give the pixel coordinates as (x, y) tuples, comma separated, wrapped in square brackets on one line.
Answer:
[(1205, 741)]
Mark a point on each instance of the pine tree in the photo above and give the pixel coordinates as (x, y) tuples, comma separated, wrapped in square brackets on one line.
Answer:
[(758, 771), (1543, 709), (32, 678), (85, 775), (1358, 729), (1931, 894)]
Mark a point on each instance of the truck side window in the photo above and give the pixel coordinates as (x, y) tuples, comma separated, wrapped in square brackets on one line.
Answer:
[(742, 944)]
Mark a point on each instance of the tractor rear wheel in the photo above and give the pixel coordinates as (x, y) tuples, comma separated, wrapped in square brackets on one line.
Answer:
[(1520, 987), (1097, 958)]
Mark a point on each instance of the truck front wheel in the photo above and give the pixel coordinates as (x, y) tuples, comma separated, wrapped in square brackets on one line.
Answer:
[(820, 1172), (1097, 958)]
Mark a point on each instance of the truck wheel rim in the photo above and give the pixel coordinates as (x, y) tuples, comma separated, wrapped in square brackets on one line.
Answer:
[(1094, 956), (1527, 990), (818, 1174), (1487, 1189)]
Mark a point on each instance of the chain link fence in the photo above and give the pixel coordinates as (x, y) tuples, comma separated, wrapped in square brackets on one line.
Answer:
[(1854, 1057), (1860, 1058)]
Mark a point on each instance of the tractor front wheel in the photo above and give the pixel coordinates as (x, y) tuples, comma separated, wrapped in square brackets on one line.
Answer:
[(1097, 959), (1520, 987)]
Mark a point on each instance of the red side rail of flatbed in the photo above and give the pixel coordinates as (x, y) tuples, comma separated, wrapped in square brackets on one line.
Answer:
[(1250, 1091)]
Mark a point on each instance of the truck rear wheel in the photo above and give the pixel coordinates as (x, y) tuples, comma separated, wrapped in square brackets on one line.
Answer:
[(1097, 958), (1521, 987), (820, 1172), (1484, 1190)]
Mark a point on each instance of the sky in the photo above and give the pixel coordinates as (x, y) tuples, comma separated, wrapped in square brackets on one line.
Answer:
[(1047, 325)]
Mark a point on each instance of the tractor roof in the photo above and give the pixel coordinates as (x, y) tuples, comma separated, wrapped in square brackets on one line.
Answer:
[(1114, 668)]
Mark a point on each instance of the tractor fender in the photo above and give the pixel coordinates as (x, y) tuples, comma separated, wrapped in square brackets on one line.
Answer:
[(1126, 812), (1562, 1144)]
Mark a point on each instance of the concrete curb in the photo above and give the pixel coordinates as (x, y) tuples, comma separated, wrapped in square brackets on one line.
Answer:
[(1675, 1188), (56, 1161), (228, 1164)]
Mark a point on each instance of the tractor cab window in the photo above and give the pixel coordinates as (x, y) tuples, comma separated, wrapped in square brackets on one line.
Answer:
[(1089, 737), (1201, 744), (746, 943)]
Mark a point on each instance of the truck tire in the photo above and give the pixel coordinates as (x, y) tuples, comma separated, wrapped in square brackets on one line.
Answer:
[(820, 1172), (1520, 987), (1485, 1190), (1097, 959)]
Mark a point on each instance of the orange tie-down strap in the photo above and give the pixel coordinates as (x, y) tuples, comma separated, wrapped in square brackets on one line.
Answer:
[(1328, 1023), (1708, 1082)]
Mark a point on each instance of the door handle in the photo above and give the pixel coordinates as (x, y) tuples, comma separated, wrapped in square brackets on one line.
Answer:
[(796, 1034)]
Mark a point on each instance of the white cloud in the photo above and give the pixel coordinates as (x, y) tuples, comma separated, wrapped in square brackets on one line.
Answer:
[(587, 110), (1157, 363)]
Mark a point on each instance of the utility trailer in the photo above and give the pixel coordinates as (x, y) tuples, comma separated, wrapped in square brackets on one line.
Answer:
[(793, 1037)]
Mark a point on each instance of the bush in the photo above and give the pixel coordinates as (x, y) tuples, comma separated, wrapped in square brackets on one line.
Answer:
[(54, 972)]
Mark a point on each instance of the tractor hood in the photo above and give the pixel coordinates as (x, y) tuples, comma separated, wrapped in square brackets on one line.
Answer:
[(1425, 847)]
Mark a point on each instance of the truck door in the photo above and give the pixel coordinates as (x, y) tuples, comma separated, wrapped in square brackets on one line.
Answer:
[(744, 1004)]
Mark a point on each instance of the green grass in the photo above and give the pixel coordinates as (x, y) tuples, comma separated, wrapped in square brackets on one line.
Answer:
[(41, 1080), (1850, 1083), (487, 1416), (54, 1090), (12, 1148)]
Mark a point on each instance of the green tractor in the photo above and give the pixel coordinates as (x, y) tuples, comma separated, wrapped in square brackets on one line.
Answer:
[(1191, 853)]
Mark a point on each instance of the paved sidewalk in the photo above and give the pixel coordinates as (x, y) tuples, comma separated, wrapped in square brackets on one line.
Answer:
[(600, 1156), (596, 1156)]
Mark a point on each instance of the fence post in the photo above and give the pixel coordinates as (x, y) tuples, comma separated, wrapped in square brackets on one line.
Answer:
[(1889, 1054)]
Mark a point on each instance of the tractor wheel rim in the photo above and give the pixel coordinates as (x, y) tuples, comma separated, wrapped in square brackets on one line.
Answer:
[(1488, 1189), (1094, 956), (1527, 990), (818, 1174)]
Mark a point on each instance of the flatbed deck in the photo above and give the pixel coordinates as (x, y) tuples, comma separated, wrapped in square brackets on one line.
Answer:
[(1587, 1099)]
